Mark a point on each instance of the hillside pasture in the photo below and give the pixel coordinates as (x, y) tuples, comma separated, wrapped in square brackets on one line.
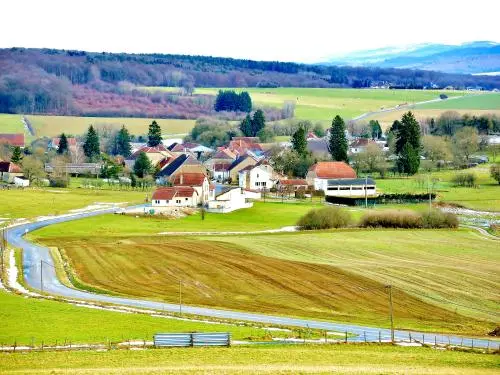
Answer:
[(11, 124), (480, 102), (322, 104), (220, 273), (51, 126)]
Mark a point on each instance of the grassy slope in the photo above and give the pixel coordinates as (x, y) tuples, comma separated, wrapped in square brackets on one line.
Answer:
[(257, 359), (323, 104), (486, 101), (434, 265), (261, 216), (484, 197), (11, 123), (26, 319), (30, 203), (51, 126)]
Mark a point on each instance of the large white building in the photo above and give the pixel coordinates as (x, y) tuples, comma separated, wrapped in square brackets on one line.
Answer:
[(256, 177), (229, 199), (175, 196)]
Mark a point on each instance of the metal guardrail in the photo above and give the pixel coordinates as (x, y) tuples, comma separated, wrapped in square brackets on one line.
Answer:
[(192, 339)]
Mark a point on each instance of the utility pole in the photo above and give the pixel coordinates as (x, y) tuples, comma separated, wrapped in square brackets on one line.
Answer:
[(430, 191), (366, 191), (41, 275), (391, 312), (2, 252), (180, 297)]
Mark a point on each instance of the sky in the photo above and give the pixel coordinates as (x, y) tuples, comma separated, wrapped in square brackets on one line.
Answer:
[(302, 31)]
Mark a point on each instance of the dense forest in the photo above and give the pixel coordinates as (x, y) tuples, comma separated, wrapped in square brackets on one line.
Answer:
[(87, 83)]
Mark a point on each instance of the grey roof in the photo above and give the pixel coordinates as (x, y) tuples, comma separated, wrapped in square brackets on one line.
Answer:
[(350, 181), (173, 166), (317, 146)]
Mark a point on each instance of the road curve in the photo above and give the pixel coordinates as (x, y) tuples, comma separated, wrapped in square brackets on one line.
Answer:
[(33, 254)]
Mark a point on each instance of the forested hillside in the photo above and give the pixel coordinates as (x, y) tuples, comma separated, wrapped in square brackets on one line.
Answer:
[(106, 84)]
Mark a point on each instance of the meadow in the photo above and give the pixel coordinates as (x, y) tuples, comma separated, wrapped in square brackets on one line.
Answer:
[(269, 359), (28, 321), (322, 104), (481, 102), (11, 123)]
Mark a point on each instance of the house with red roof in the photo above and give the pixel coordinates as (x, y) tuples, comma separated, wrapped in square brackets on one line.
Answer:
[(174, 196), (54, 143), (292, 184), (197, 181), (14, 140), (154, 153)]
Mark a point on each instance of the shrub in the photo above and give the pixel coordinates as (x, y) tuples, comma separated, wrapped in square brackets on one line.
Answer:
[(59, 182), (465, 179), (439, 219), (495, 172), (325, 218), (392, 219), (300, 194)]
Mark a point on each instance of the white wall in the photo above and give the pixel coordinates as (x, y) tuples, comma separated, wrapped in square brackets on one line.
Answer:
[(184, 202)]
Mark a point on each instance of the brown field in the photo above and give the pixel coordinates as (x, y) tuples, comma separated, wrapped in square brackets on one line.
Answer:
[(219, 274)]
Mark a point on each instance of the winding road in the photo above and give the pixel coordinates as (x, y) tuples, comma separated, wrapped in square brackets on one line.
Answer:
[(34, 256)]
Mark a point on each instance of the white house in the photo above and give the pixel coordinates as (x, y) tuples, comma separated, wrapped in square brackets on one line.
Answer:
[(230, 199), (198, 181), (256, 177), (175, 196), (21, 182)]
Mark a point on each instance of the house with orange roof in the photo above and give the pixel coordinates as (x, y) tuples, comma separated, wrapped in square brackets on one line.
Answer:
[(197, 181), (14, 140), (9, 171)]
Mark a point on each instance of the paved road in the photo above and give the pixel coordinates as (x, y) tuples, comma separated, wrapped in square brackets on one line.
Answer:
[(33, 255)]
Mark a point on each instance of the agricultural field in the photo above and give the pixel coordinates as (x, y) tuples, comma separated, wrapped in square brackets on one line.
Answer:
[(51, 126), (481, 102), (53, 321), (314, 274), (269, 359), (320, 104)]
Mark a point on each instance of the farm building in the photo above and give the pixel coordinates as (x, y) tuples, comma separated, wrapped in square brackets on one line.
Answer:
[(175, 196), (351, 188), (319, 173), (15, 140), (228, 200)]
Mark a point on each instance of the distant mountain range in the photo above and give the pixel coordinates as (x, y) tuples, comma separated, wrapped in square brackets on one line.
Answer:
[(468, 58)]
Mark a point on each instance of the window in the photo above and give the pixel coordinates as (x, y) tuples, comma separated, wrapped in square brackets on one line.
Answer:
[(264, 183), (177, 201), (257, 175), (185, 199)]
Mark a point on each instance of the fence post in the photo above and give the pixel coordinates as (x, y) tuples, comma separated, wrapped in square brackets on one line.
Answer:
[(15, 345), (191, 341), (409, 335), (462, 342), (472, 343), (326, 339), (488, 348), (435, 341), (423, 339), (346, 337), (364, 333)]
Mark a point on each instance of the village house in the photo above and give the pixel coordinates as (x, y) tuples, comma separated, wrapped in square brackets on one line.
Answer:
[(194, 149), (14, 140), (228, 200), (360, 145), (256, 177), (239, 164), (220, 171), (155, 154), (9, 171), (174, 196), (197, 181), (182, 163), (244, 145)]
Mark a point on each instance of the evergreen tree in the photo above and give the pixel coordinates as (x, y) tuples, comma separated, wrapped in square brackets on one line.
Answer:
[(338, 142), (246, 126), (16, 155), (142, 165), (63, 144), (258, 122), (154, 134), (245, 102), (122, 142), (299, 142), (91, 144), (407, 133), (409, 160), (375, 129)]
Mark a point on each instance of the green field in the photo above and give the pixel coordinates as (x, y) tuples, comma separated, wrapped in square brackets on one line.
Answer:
[(27, 321), (11, 123), (29, 203), (486, 196), (275, 359), (320, 104), (484, 101)]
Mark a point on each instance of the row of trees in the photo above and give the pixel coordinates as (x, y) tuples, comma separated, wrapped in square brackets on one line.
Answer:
[(450, 122)]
